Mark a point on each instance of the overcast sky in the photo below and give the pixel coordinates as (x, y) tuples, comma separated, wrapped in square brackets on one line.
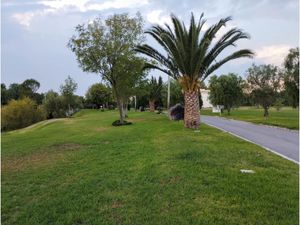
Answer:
[(35, 32)]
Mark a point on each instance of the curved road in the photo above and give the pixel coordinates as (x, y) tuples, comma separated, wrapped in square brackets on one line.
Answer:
[(280, 141)]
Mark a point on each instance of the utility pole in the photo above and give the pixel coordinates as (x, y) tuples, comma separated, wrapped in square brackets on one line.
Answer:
[(168, 100)]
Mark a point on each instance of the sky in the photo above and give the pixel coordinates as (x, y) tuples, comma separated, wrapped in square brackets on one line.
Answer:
[(35, 33)]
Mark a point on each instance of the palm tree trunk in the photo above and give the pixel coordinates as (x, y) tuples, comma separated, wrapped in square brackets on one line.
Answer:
[(191, 109), (152, 105)]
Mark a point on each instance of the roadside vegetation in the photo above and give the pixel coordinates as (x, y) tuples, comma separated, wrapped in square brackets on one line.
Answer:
[(82, 170)]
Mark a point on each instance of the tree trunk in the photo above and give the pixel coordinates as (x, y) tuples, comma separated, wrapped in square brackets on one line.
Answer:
[(228, 111), (152, 105), (120, 107), (191, 109), (266, 112), (125, 110)]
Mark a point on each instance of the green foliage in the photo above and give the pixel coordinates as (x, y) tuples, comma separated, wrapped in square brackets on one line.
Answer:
[(14, 91), (264, 83), (155, 87), (29, 87), (226, 90), (291, 76), (4, 94), (20, 113), (99, 94), (189, 57), (176, 93), (70, 101), (106, 48), (54, 105)]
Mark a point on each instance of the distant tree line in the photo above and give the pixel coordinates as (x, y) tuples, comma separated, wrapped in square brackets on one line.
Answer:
[(265, 86)]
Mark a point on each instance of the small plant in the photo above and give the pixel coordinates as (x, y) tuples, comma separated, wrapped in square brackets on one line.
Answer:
[(177, 112)]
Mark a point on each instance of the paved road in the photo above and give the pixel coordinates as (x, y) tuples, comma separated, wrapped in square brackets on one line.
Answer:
[(281, 141)]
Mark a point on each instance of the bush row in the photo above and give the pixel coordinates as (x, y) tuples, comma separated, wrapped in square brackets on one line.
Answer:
[(21, 113)]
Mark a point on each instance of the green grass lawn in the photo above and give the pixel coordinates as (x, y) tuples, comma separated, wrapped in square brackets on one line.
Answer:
[(84, 171), (286, 117)]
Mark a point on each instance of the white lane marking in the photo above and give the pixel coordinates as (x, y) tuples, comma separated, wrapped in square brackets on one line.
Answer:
[(283, 156)]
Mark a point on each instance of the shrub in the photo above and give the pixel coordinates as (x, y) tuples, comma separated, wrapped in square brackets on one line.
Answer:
[(177, 112), (21, 113)]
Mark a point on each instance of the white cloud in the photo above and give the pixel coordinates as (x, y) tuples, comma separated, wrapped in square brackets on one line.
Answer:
[(117, 4), (23, 19), (62, 4), (86, 5), (157, 17), (56, 6), (273, 54)]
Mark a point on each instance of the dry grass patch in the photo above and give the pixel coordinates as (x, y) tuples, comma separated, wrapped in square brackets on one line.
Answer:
[(101, 129), (43, 158)]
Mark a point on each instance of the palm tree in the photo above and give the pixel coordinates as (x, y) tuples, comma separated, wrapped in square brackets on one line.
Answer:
[(190, 57), (155, 88)]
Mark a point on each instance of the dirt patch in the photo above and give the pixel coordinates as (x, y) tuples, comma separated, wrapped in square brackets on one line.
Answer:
[(116, 204), (170, 180), (68, 121), (66, 146), (43, 158), (101, 129), (136, 119)]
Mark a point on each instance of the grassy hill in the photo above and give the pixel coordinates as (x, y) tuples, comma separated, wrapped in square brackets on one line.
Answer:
[(82, 170)]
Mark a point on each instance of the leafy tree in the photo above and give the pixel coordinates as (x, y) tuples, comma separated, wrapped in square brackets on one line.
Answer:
[(226, 90), (99, 94), (14, 91), (54, 105), (141, 93), (132, 72), (190, 58), (155, 88), (38, 98), (4, 94), (29, 87), (67, 91), (264, 83), (291, 77), (106, 48)]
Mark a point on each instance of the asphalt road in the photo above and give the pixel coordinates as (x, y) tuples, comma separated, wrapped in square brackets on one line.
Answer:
[(280, 141)]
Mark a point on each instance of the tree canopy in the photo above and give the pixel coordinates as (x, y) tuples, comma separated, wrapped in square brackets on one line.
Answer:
[(291, 76), (107, 48), (264, 83), (226, 90), (99, 95)]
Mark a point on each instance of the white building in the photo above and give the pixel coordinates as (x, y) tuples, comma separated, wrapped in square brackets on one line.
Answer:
[(204, 96)]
